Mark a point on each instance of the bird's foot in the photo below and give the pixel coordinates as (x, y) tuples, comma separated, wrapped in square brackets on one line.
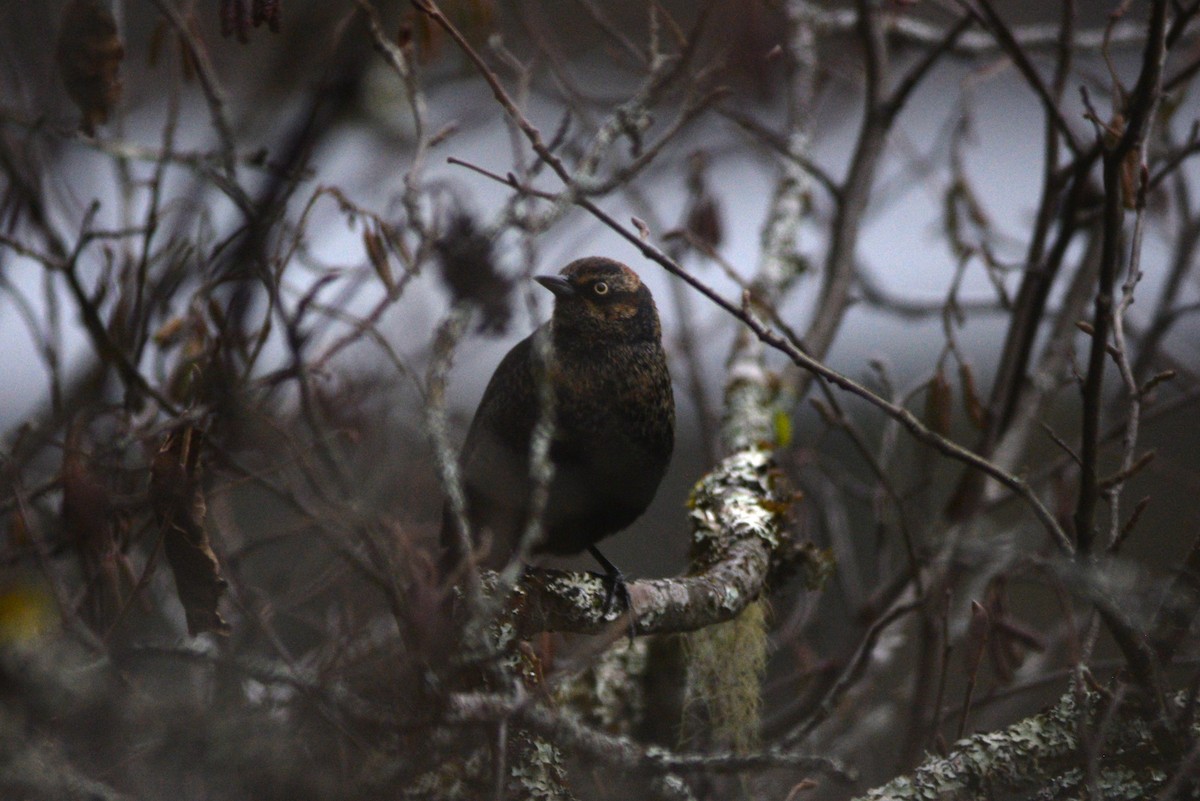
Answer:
[(615, 588)]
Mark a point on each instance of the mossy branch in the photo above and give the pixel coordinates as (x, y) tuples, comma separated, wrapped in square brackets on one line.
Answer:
[(1042, 751), (736, 512)]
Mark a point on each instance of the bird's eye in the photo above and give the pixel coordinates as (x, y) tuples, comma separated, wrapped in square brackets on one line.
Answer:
[(600, 288)]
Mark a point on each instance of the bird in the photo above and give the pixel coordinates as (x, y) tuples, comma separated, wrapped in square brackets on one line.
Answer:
[(613, 423)]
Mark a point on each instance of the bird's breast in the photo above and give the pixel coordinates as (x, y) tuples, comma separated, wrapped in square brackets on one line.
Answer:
[(617, 404)]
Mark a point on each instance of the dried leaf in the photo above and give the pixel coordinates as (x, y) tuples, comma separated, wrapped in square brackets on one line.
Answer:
[(379, 260), (976, 411), (704, 222), (417, 31), (938, 404), (1131, 171), (168, 333), (179, 506), (89, 57), (469, 271), (977, 637)]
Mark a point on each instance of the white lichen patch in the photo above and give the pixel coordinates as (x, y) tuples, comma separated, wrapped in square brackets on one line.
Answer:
[(607, 693), (735, 501), (539, 773), (580, 590), (1023, 756)]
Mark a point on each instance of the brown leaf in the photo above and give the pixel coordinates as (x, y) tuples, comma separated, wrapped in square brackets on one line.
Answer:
[(417, 31), (977, 637), (704, 222), (373, 243), (169, 332), (976, 411), (938, 402), (179, 506), (1131, 172), (468, 267), (89, 57)]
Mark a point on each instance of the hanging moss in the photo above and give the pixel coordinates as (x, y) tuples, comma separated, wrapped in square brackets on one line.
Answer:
[(726, 663)]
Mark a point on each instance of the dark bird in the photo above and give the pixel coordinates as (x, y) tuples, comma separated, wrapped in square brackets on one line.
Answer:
[(613, 413)]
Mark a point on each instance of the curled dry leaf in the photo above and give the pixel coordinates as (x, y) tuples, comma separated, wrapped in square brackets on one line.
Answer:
[(179, 506), (977, 637), (976, 410), (704, 222), (468, 267), (89, 57), (1132, 184), (373, 243), (938, 403)]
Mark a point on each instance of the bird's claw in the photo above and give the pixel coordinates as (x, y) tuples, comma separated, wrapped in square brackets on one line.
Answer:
[(615, 586)]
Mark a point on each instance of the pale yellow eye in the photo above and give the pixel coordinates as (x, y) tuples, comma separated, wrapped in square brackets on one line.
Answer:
[(600, 288)]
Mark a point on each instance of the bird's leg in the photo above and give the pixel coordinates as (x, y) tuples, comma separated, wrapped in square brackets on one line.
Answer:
[(615, 581)]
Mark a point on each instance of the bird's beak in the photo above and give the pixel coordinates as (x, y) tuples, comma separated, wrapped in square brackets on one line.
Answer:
[(560, 286)]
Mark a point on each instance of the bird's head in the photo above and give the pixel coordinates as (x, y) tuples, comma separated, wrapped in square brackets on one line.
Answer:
[(600, 297)]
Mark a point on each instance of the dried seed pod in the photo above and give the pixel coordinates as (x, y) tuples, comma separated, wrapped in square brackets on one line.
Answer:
[(89, 57)]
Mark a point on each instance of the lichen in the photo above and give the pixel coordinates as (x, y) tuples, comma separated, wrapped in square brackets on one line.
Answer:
[(734, 501), (1020, 756), (725, 669), (607, 694), (538, 773)]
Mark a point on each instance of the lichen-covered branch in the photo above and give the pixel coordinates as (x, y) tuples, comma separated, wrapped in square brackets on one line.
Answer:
[(736, 511), (1043, 751), (573, 734)]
